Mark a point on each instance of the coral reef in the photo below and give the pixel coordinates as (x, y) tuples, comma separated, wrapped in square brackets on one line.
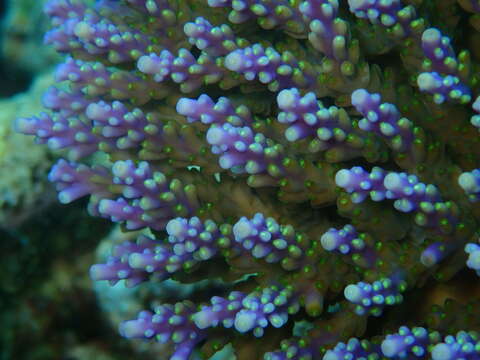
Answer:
[(23, 55), (44, 288), (318, 157), (24, 190), (22, 28)]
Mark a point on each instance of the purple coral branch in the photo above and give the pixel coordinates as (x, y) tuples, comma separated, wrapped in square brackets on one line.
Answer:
[(439, 51), (475, 119), (183, 69), (408, 193), (278, 71), (149, 199), (347, 241), (371, 298), (469, 181), (352, 349), (328, 33), (390, 14), (95, 35), (168, 323), (189, 241), (265, 239), (205, 110), (444, 88), (473, 262), (252, 312), (271, 14), (306, 116), (214, 40), (384, 120)]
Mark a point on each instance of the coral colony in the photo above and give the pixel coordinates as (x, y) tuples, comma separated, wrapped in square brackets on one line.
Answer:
[(319, 156)]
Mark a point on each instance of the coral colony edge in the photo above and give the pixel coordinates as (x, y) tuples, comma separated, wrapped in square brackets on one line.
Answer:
[(319, 156)]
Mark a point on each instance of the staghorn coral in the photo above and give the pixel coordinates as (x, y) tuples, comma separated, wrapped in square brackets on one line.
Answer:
[(317, 156)]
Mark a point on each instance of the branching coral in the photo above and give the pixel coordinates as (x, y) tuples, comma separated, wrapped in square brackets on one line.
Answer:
[(318, 156)]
